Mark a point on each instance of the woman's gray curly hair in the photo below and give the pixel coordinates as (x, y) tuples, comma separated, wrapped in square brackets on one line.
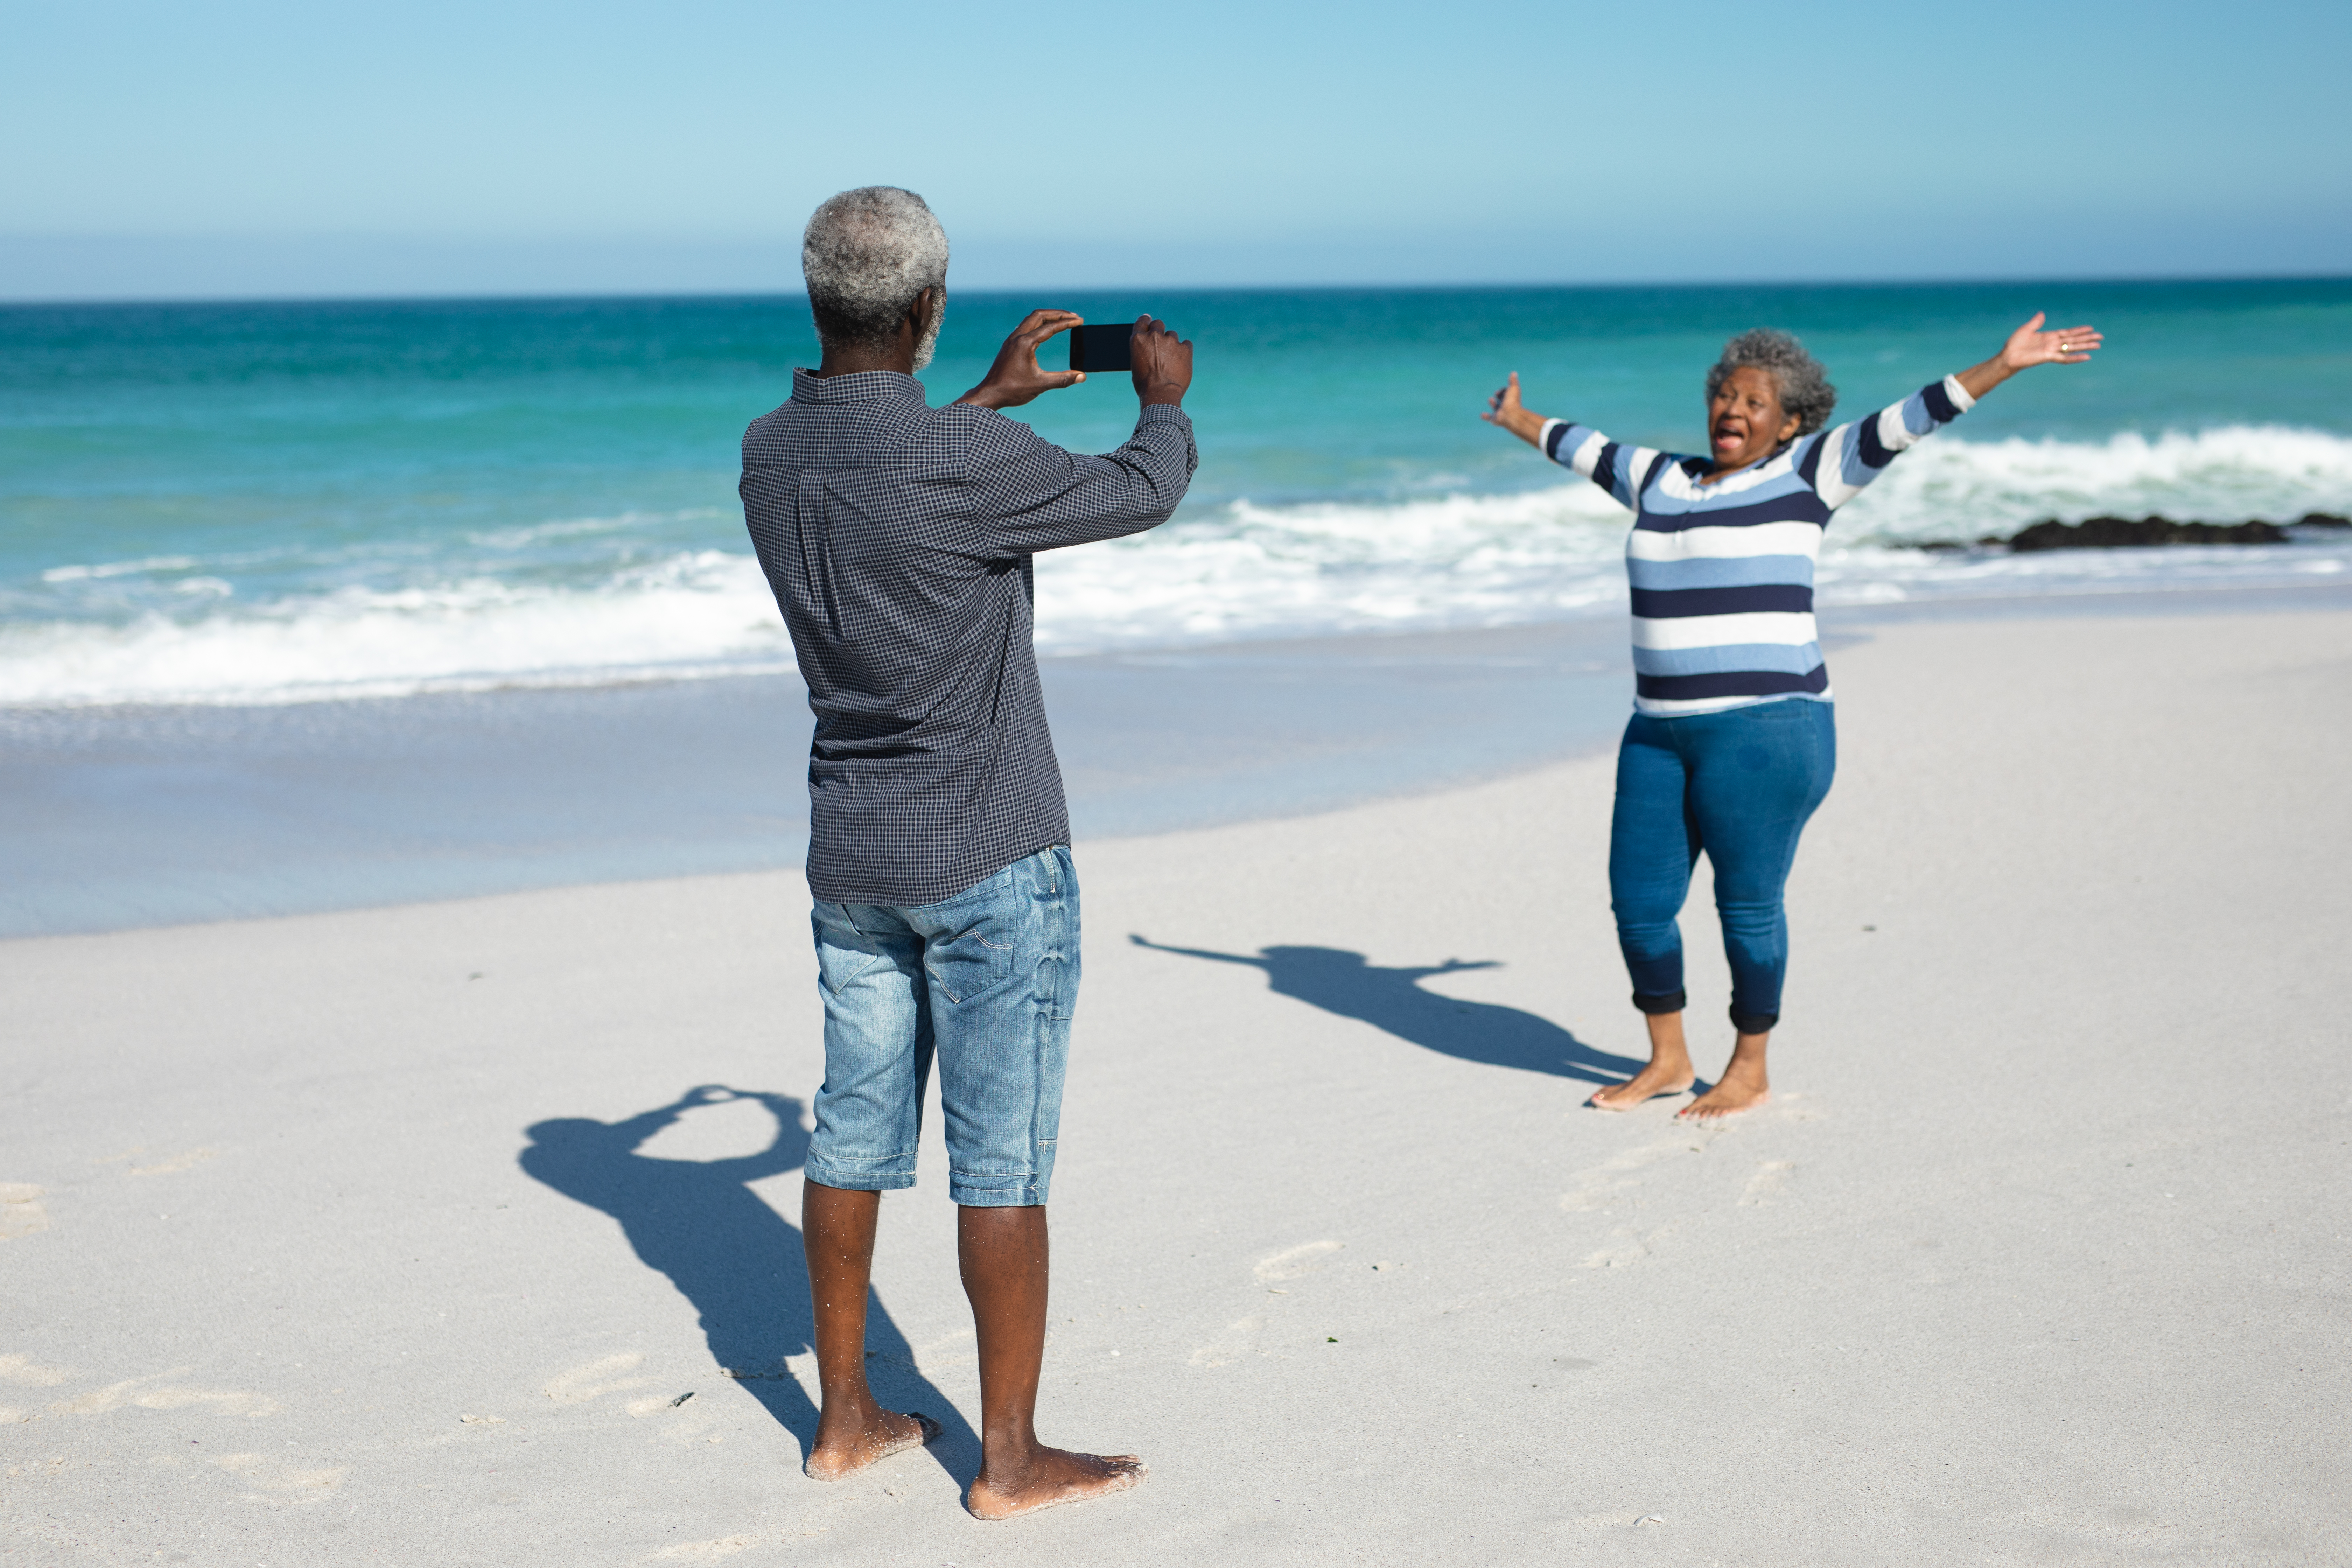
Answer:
[(866, 254), (1805, 389)]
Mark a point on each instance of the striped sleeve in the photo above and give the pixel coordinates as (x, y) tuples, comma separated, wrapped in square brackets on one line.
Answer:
[(1613, 465), (1852, 455)]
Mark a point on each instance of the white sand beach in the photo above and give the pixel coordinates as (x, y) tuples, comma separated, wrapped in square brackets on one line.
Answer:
[(2038, 1256)]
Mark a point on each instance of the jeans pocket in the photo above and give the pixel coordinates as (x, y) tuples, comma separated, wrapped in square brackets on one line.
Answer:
[(843, 951), (982, 954)]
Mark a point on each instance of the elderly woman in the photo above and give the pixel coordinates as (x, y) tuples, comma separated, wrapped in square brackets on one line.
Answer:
[(1732, 742)]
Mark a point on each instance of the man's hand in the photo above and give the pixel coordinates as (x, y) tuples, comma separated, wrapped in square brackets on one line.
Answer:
[(1016, 377), (1162, 362)]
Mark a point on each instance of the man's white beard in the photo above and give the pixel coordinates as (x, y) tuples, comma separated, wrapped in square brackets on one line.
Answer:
[(930, 338)]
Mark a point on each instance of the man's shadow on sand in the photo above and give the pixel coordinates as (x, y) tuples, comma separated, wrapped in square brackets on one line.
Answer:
[(1347, 983), (736, 1258)]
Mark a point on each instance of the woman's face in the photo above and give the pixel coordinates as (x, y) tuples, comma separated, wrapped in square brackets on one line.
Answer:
[(1744, 421)]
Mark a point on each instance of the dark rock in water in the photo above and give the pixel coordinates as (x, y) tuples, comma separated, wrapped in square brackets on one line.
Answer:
[(2123, 533)]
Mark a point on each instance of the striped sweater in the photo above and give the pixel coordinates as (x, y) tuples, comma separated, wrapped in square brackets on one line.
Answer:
[(1722, 574)]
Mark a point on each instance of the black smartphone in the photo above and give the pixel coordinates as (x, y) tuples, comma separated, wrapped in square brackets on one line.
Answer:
[(1102, 348)]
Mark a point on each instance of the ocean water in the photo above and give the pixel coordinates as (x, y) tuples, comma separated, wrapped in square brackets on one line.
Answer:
[(263, 504)]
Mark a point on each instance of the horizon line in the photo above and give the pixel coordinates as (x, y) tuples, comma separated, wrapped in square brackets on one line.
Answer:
[(592, 295)]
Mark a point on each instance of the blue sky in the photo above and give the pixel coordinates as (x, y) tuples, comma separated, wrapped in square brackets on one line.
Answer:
[(298, 148)]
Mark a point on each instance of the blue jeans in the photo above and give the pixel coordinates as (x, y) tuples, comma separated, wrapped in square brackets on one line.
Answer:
[(987, 982), (1736, 786)]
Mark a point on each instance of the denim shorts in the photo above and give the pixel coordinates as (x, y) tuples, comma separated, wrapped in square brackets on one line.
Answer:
[(987, 981)]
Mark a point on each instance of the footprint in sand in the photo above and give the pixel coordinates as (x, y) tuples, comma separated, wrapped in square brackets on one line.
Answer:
[(1295, 1261), (1626, 1247), (25, 1369), (1291, 1263), (1236, 1342), (20, 1210), (1766, 1185), (591, 1379), (136, 1390), (279, 1482), (1596, 1188)]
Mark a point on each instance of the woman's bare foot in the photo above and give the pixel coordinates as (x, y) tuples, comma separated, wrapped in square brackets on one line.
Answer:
[(887, 1433), (1657, 1078), (1742, 1087), (1669, 1071), (1051, 1476)]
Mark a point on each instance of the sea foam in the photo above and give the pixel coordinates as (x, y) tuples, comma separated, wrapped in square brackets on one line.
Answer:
[(183, 629), (698, 613)]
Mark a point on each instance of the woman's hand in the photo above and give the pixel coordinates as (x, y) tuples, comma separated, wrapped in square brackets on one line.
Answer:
[(2027, 347), (2030, 345), (1505, 409), (1016, 376)]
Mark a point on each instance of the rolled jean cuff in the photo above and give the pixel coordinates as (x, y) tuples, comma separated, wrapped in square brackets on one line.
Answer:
[(1672, 1001), (884, 1175), (1019, 1192), (1753, 1023)]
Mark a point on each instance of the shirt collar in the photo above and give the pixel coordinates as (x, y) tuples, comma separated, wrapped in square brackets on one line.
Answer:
[(858, 386), (1696, 467)]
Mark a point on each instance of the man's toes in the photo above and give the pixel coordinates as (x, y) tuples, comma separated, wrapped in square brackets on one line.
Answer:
[(1116, 1475)]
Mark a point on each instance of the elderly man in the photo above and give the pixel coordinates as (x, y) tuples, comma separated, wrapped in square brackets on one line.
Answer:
[(898, 538)]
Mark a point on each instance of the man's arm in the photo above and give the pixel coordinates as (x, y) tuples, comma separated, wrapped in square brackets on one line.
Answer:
[(1035, 496), (1031, 495)]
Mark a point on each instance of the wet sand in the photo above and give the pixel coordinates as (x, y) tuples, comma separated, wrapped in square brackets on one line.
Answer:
[(384, 1235)]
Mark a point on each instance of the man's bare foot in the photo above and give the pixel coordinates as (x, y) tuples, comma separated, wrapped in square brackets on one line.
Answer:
[(889, 1432), (1742, 1089), (1051, 1477), (1657, 1078)]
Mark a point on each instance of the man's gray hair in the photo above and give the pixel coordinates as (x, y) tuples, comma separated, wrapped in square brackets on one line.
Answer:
[(866, 254), (1805, 390)]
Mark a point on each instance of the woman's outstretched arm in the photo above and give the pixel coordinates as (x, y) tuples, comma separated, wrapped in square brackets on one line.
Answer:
[(2027, 347), (1619, 469), (1505, 409), (1850, 457)]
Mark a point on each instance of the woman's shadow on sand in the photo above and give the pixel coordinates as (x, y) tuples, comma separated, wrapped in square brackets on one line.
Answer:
[(1352, 986), (735, 1258)]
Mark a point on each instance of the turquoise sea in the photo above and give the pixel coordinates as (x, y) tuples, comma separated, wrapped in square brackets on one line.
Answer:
[(313, 607), (268, 503)]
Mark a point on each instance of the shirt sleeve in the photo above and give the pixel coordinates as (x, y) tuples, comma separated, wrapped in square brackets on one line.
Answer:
[(1616, 467), (1031, 495), (1852, 455)]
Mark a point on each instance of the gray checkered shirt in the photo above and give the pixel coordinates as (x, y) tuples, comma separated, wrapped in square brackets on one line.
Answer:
[(898, 538)]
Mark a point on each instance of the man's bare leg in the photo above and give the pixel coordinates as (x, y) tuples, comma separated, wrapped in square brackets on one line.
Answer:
[(1003, 1253), (1742, 1087), (1669, 1071), (852, 1431)]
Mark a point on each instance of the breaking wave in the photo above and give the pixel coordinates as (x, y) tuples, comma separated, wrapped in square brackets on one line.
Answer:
[(182, 628)]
